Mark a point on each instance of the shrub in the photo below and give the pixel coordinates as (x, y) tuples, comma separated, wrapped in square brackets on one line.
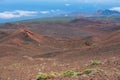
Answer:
[(95, 62), (88, 71), (42, 77), (70, 73), (53, 75)]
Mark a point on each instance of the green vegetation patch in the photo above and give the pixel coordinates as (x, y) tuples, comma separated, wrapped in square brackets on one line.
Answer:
[(68, 73), (88, 71), (42, 77), (96, 62)]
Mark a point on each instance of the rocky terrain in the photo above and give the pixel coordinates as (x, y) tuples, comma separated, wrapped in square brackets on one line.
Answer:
[(87, 46)]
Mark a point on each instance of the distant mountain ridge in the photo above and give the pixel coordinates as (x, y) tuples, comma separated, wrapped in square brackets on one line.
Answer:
[(107, 12)]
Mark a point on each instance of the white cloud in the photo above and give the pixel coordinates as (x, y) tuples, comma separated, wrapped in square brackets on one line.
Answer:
[(52, 10), (44, 12), (16, 14), (22, 13), (115, 9), (57, 10), (67, 4)]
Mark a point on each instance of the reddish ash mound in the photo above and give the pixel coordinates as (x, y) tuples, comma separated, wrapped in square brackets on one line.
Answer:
[(22, 36), (25, 37)]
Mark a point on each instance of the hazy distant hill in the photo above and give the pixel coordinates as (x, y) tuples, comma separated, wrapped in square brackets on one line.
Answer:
[(107, 12)]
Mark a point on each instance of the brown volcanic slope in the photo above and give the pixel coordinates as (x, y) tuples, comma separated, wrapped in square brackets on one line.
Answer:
[(95, 26), (3, 34), (21, 36), (47, 47), (22, 41), (114, 37)]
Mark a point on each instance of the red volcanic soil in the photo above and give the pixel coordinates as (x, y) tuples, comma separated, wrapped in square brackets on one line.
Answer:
[(54, 47), (113, 37)]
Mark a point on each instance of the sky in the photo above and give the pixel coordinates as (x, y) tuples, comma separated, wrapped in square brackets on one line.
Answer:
[(11, 10)]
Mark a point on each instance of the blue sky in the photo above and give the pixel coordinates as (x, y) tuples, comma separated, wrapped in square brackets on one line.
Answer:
[(24, 9)]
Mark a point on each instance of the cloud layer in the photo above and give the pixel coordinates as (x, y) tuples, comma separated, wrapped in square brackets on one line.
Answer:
[(116, 9), (16, 14), (67, 4), (23, 13)]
